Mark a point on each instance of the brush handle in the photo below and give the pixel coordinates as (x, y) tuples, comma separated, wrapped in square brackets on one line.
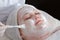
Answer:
[(18, 26)]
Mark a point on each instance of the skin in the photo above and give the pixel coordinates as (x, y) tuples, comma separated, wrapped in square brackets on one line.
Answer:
[(34, 35)]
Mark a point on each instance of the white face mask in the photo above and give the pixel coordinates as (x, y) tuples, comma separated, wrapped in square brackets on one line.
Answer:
[(5, 3), (31, 23)]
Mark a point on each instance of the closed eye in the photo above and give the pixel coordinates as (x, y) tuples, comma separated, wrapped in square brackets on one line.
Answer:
[(27, 18), (37, 13)]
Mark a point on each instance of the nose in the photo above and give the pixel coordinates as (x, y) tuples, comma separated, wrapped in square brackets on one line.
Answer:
[(37, 17)]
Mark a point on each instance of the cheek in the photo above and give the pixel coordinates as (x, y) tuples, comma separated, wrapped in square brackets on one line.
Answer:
[(30, 22), (19, 20), (40, 17)]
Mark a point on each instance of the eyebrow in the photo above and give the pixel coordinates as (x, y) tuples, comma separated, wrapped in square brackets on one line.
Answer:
[(25, 14)]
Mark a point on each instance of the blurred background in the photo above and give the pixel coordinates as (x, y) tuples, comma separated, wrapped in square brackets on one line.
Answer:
[(50, 6)]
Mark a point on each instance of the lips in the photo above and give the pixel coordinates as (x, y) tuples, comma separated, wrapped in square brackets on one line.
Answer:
[(38, 22)]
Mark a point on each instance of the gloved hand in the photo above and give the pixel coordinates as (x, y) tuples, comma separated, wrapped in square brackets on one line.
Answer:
[(2, 26), (2, 29)]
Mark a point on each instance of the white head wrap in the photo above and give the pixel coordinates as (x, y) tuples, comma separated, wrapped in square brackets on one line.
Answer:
[(28, 9), (52, 24)]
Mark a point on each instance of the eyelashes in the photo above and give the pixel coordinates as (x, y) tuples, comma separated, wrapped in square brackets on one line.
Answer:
[(30, 16), (27, 18), (37, 13)]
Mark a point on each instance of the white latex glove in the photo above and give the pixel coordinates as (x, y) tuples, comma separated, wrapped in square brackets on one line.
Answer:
[(2, 29)]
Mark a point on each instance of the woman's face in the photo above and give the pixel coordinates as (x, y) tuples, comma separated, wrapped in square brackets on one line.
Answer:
[(33, 29), (35, 16)]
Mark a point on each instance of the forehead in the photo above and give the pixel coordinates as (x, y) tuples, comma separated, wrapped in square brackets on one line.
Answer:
[(31, 13)]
